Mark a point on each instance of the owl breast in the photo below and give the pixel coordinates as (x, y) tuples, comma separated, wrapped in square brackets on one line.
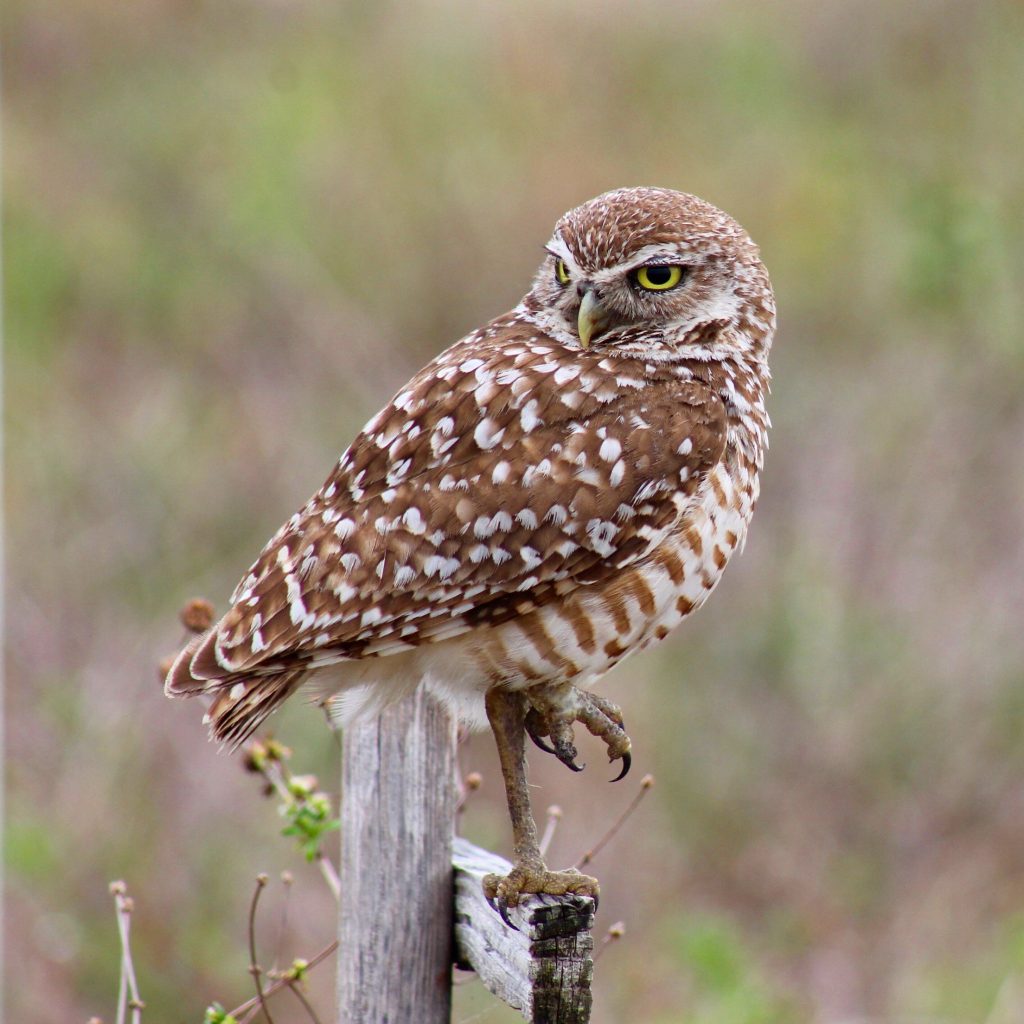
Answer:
[(587, 632)]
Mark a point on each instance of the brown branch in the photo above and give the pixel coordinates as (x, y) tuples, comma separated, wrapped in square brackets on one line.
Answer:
[(254, 968), (280, 983), (645, 784), (293, 985)]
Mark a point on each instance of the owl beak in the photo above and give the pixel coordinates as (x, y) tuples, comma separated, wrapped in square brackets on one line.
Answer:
[(591, 319)]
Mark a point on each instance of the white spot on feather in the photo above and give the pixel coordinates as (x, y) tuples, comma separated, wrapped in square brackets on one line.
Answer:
[(527, 519), (413, 521), (530, 556), (528, 418), (487, 434)]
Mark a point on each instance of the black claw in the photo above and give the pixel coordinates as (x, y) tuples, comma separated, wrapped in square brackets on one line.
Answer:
[(627, 763), (503, 912), (536, 730), (540, 742), (566, 753), (597, 901)]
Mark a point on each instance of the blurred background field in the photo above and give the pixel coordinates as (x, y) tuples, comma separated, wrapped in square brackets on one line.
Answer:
[(232, 230)]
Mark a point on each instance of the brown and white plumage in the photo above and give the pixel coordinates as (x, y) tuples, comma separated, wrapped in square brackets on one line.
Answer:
[(522, 492), (556, 490)]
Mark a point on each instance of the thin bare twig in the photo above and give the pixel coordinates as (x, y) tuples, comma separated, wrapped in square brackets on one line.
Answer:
[(254, 968), (293, 985), (128, 997), (282, 925), (614, 933), (253, 1005), (330, 873), (554, 817), (470, 784), (645, 784)]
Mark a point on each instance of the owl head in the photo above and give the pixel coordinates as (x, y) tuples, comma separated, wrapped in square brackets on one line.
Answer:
[(654, 267)]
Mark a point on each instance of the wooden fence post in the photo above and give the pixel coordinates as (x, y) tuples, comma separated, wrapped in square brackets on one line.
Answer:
[(406, 893), (542, 967), (398, 813)]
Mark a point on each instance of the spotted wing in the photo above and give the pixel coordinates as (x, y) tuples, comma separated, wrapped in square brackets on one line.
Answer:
[(500, 478)]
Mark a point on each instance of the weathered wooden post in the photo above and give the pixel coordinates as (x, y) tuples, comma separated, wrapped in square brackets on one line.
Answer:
[(412, 903), (398, 814), (543, 966)]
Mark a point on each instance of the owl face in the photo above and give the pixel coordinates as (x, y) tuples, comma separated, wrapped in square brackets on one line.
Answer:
[(648, 262)]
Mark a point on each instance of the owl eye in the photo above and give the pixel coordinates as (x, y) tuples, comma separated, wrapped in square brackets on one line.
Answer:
[(561, 272), (659, 278)]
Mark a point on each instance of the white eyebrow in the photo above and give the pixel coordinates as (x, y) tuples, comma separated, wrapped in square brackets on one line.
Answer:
[(660, 253), (557, 248)]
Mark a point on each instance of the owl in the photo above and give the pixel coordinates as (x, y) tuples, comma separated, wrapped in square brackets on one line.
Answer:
[(557, 490)]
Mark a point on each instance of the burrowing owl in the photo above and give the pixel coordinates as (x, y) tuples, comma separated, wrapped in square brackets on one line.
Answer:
[(558, 489)]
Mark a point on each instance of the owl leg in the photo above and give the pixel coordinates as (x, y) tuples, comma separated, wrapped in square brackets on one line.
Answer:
[(506, 712), (554, 709)]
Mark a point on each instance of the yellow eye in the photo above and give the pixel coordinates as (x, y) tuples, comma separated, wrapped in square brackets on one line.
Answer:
[(561, 272), (659, 278)]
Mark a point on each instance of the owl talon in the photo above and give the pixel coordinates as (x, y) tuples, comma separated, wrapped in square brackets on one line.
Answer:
[(552, 714), (536, 730), (503, 914), (504, 891), (566, 753)]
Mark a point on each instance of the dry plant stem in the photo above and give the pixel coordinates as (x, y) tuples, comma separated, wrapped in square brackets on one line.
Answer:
[(128, 986), (297, 992), (645, 784), (614, 933), (282, 924), (254, 968), (465, 787), (274, 773), (251, 1006), (330, 873), (554, 817)]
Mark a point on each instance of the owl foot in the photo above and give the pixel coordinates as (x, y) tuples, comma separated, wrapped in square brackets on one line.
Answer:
[(504, 891), (552, 714)]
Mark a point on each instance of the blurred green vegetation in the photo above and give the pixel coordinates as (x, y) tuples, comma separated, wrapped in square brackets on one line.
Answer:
[(233, 229)]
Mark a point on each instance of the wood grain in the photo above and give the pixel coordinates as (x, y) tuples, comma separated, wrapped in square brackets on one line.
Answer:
[(398, 812), (545, 968)]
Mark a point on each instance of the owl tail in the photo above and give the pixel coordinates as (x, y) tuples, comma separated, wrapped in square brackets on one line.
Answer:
[(239, 708), (239, 702)]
